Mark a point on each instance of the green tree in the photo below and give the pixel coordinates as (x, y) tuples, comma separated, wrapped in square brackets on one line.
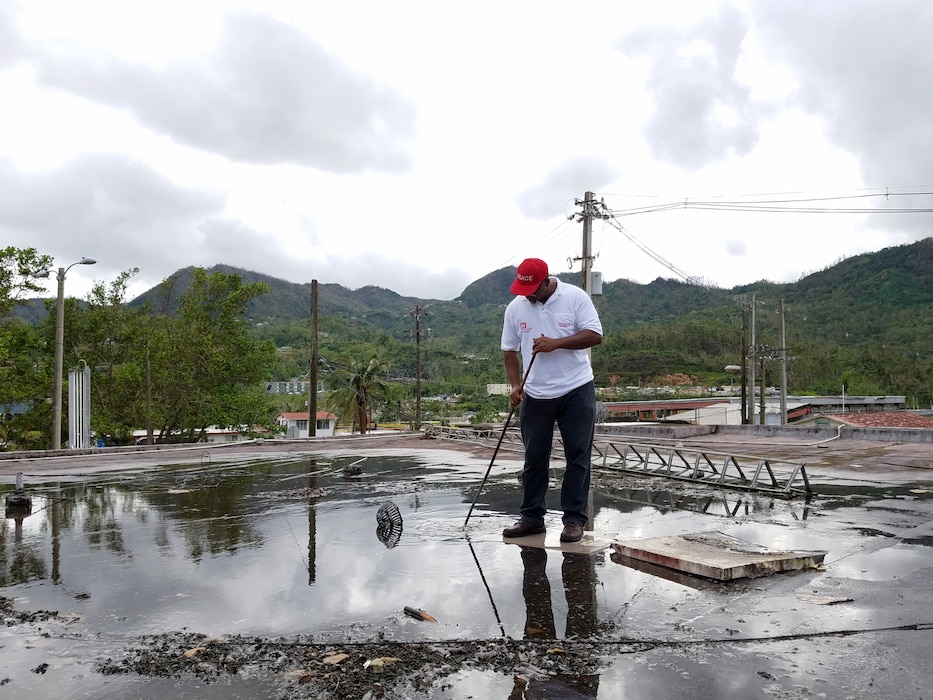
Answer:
[(358, 385), (26, 381), (206, 370), (114, 339), (19, 270), (25, 372)]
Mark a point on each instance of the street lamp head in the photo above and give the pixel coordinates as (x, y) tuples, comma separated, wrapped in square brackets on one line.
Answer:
[(82, 261)]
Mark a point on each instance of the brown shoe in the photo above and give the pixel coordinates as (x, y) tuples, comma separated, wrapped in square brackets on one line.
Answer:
[(523, 528), (573, 532)]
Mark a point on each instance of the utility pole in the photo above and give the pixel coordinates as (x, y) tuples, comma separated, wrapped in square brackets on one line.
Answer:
[(591, 210), (761, 398), (587, 256), (417, 313), (745, 417), (149, 438), (312, 378), (751, 350), (783, 368)]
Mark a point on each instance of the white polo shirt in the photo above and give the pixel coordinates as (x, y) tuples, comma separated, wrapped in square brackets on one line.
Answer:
[(567, 311)]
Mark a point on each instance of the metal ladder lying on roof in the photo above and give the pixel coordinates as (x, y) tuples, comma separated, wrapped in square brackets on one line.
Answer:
[(742, 472)]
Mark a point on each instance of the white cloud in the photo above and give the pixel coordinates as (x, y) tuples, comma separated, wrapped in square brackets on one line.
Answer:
[(267, 94), (702, 112), (419, 147)]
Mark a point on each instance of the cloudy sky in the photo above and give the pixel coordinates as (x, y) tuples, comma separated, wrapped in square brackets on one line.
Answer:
[(418, 146)]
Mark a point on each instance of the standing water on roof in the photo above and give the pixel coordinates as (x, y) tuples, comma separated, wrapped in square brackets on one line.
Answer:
[(354, 549)]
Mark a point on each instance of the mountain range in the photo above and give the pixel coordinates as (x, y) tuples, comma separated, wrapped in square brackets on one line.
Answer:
[(881, 297), (885, 296)]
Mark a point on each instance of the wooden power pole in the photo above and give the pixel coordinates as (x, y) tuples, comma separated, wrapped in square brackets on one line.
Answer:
[(745, 417), (312, 378), (783, 367), (416, 334), (752, 351), (587, 256)]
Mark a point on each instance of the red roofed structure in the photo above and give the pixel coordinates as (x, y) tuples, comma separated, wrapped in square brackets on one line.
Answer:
[(871, 419), (296, 424)]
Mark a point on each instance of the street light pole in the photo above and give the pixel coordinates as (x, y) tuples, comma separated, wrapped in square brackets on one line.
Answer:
[(59, 353)]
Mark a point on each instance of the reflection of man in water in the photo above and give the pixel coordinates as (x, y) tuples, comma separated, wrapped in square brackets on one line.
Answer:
[(578, 572), (539, 616)]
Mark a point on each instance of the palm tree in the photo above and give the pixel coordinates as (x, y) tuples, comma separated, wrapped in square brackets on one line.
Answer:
[(358, 386)]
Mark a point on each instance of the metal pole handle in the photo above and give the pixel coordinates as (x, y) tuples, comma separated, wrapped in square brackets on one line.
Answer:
[(499, 444)]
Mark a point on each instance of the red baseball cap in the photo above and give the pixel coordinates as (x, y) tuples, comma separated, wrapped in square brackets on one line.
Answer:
[(531, 273)]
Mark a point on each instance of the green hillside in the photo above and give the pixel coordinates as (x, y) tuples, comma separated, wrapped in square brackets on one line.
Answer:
[(865, 321)]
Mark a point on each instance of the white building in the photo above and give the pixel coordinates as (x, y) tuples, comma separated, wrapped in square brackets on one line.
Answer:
[(296, 424)]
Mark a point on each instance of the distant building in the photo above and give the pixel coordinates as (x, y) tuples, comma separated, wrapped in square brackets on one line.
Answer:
[(212, 434), (801, 410), (730, 413), (290, 388), (296, 424), (215, 434), (654, 410), (849, 404)]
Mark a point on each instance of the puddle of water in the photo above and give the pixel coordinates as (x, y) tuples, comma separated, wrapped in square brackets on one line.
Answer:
[(293, 548), (250, 551), (895, 562), (780, 537)]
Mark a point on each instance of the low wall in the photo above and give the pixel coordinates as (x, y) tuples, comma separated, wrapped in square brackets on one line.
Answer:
[(680, 432)]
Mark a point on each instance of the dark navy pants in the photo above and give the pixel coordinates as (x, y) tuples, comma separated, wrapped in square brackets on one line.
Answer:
[(575, 415)]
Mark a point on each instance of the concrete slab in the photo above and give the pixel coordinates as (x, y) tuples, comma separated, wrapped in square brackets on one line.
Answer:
[(696, 583), (718, 556), (591, 543)]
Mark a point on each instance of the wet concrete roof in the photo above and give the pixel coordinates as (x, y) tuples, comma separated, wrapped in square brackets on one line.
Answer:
[(857, 627)]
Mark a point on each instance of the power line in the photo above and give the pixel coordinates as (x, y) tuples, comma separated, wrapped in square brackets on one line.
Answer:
[(787, 204), (794, 203), (657, 257)]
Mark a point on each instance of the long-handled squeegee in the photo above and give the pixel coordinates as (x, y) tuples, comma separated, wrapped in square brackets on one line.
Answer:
[(499, 444)]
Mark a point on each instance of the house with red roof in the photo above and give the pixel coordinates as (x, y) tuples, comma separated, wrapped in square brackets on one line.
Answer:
[(296, 424)]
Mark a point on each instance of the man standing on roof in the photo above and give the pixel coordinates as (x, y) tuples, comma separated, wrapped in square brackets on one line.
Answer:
[(555, 322)]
